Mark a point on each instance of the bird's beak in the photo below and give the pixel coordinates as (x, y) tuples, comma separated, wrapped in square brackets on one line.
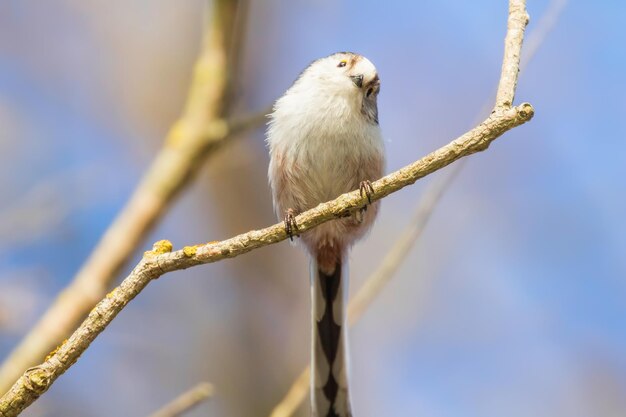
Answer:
[(373, 86), (357, 80)]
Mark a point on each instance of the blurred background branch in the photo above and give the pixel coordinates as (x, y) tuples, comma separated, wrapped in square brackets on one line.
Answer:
[(186, 401), (201, 129)]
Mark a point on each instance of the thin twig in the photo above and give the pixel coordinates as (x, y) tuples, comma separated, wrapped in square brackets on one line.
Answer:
[(516, 25), (199, 131), (541, 29), (186, 401)]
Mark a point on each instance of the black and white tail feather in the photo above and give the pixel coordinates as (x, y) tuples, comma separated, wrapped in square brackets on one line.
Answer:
[(329, 365)]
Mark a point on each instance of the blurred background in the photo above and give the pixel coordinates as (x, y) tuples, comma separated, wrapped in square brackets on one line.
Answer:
[(513, 302)]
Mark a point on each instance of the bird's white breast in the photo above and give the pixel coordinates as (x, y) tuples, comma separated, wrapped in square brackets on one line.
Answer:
[(327, 136)]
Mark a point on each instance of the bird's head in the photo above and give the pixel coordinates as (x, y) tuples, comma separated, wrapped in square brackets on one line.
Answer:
[(347, 72), (344, 75)]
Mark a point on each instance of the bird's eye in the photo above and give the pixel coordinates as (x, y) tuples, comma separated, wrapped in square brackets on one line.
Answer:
[(342, 63)]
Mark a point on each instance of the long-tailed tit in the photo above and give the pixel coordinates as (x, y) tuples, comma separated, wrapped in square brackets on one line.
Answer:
[(324, 140)]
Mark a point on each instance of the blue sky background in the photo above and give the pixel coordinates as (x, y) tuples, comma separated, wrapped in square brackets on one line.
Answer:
[(513, 302)]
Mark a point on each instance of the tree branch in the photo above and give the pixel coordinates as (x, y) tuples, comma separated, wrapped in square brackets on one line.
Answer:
[(516, 25), (35, 381), (200, 130)]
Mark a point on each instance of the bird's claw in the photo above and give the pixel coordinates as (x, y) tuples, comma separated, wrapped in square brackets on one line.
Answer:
[(365, 187), (290, 224)]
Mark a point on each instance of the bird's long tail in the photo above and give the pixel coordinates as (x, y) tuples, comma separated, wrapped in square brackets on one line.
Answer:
[(329, 374)]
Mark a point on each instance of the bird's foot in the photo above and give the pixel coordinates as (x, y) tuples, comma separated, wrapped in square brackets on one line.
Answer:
[(291, 226), (365, 187)]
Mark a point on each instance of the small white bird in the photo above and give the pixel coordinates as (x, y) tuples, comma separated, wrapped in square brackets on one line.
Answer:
[(324, 140)]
